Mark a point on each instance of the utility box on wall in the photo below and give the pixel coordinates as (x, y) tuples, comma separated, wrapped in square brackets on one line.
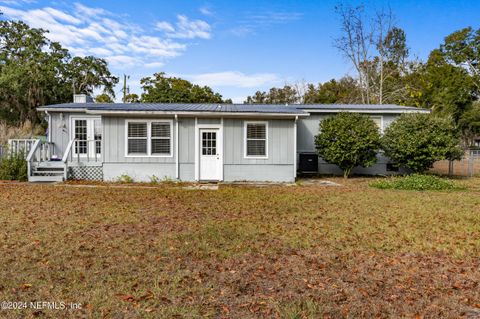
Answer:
[(308, 163)]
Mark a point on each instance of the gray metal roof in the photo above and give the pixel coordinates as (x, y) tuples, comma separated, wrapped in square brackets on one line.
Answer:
[(180, 107), (359, 107), (294, 109)]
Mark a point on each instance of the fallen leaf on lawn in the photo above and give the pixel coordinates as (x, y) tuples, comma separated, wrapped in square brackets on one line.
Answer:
[(128, 298)]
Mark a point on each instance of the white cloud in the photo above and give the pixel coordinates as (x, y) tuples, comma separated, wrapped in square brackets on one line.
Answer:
[(205, 11), (154, 65), (122, 60), (164, 26), (62, 16), (89, 12), (155, 46), (233, 78), (185, 28), (16, 2), (263, 20), (100, 51), (95, 31)]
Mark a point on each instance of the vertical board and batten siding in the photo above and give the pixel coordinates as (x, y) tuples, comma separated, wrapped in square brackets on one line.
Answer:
[(114, 137), (60, 130), (278, 167), (307, 129), (186, 148), (140, 168), (280, 143)]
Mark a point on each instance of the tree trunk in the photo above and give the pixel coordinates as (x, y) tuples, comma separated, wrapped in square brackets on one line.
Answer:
[(346, 172)]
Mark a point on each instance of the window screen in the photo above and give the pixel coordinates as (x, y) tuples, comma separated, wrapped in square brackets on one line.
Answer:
[(137, 138), (256, 139)]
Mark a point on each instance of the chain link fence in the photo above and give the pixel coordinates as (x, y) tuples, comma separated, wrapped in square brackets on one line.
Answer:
[(468, 166)]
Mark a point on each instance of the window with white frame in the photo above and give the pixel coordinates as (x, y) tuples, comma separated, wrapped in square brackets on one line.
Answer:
[(160, 138), (256, 139), (149, 138), (378, 121)]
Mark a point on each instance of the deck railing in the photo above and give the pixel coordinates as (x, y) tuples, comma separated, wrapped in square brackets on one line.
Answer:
[(40, 151), (83, 151), (16, 146)]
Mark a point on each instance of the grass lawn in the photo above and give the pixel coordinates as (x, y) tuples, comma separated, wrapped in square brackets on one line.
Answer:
[(305, 251)]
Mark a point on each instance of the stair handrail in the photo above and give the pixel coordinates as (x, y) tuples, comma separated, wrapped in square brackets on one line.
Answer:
[(33, 150), (68, 150), (30, 156)]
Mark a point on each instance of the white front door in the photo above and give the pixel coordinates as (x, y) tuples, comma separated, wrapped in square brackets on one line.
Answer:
[(210, 155), (87, 133)]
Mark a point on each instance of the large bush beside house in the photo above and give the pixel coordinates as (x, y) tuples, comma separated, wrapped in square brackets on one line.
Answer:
[(348, 140), (416, 141), (13, 167)]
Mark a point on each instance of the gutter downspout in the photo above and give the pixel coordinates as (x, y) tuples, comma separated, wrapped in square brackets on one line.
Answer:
[(49, 126), (177, 160), (295, 149)]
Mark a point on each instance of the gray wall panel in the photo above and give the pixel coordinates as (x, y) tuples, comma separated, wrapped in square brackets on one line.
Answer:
[(114, 138), (280, 143), (258, 173), (140, 172)]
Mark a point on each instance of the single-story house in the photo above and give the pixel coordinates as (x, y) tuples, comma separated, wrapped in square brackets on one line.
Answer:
[(189, 142)]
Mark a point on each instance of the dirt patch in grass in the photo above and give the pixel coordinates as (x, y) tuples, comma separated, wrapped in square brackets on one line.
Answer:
[(241, 252)]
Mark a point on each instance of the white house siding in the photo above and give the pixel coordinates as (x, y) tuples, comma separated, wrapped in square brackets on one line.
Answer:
[(308, 129)]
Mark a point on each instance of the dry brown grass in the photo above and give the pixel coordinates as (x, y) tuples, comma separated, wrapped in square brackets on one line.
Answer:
[(241, 252), (25, 130)]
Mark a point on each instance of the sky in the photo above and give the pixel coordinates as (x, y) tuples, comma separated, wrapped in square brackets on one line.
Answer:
[(235, 47)]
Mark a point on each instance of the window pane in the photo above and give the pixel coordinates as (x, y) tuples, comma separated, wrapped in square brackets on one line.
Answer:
[(256, 148), (161, 146), (137, 146), (160, 129), (81, 136), (256, 131), (137, 129), (377, 120), (209, 143), (97, 128)]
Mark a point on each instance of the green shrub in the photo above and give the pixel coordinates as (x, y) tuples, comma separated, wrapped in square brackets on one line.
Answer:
[(154, 179), (124, 178), (14, 168), (416, 182), (348, 140), (416, 141)]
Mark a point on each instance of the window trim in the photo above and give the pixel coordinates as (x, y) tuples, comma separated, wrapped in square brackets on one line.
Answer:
[(245, 125), (149, 137)]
